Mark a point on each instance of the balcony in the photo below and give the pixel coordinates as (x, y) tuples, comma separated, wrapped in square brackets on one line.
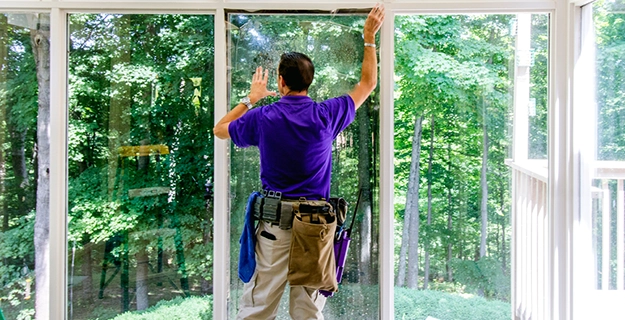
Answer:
[(599, 269)]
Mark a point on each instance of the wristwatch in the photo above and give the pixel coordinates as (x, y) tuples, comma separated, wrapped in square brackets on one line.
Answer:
[(246, 101)]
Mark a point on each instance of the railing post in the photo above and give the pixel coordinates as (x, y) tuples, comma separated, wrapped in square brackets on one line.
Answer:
[(620, 233)]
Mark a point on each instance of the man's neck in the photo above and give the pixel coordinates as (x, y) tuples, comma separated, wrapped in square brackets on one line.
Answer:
[(296, 93)]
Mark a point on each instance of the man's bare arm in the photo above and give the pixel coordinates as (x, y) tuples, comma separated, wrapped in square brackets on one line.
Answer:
[(369, 72)]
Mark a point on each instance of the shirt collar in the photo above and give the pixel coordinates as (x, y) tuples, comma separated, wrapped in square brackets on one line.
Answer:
[(295, 99)]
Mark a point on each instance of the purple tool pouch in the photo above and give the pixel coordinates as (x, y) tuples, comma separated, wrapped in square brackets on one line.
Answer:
[(341, 245)]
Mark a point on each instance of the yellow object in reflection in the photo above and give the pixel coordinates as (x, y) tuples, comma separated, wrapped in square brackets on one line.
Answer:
[(147, 150)]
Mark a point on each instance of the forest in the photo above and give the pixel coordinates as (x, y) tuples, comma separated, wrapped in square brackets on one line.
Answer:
[(140, 156)]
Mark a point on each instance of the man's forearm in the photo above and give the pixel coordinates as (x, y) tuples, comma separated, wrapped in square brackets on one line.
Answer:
[(221, 128), (369, 73)]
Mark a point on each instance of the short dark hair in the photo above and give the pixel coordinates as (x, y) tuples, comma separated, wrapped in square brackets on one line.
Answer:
[(297, 70)]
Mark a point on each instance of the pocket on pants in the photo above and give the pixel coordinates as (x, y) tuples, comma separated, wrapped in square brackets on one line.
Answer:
[(311, 256)]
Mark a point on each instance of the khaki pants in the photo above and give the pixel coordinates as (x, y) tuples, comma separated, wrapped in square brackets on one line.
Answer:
[(261, 296)]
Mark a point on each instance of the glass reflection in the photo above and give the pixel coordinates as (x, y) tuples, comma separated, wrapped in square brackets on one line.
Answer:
[(24, 157), (334, 43), (140, 165), (608, 176)]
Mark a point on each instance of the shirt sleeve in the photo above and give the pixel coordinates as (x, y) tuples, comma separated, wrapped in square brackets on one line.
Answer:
[(244, 131), (342, 112)]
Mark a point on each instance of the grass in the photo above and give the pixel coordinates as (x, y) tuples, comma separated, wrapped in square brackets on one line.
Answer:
[(352, 302), (193, 308), (420, 304)]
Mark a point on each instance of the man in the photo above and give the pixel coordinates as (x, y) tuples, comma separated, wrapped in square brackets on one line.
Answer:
[(294, 136)]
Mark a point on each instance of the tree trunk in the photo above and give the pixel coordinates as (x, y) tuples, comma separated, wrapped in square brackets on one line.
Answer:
[(449, 242), (504, 262), (449, 219), (118, 135), (375, 216), (18, 162), (41, 50), (3, 112), (462, 222), (119, 108), (142, 255), (502, 207), (401, 265), (87, 271), (142, 278), (17, 137), (205, 284), (364, 181), (426, 276), (412, 205), (484, 186)]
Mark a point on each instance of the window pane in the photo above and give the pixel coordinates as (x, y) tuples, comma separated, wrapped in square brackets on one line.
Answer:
[(335, 45), (24, 149), (609, 27), (140, 165), (457, 79), (608, 208)]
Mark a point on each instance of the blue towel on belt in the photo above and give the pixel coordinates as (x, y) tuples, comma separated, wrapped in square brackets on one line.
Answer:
[(247, 256)]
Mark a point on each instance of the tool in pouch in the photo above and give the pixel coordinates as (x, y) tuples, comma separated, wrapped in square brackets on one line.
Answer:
[(341, 246)]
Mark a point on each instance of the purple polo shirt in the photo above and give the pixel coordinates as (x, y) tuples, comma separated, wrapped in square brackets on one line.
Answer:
[(294, 136)]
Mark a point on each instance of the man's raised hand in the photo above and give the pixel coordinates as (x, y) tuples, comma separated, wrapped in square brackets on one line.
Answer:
[(373, 23), (258, 89)]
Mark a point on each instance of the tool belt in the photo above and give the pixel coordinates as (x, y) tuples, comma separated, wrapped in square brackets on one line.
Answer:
[(271, 207), (314, 224)]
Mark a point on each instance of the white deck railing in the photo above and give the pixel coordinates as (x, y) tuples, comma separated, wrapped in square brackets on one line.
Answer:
[(530, 237), (608, 224), (599, 274)]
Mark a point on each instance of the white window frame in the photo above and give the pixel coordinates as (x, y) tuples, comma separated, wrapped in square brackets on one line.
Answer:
[(562, 174)]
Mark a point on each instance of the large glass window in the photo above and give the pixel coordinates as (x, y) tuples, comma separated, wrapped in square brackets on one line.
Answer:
[(335, 45), (24, 153), (599, 101), (25, 148), (459, 81), (606, 42), (140, 165)]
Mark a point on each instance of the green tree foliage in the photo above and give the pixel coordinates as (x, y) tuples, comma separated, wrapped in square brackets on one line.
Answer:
[(148, 80), (609, 19), (456, 73), (18, 178), (539, 86), (142, 80)]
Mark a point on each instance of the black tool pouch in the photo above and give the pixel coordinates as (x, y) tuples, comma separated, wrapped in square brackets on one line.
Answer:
[(258, 206), (267, 206), (286, 215), (340, 209)]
